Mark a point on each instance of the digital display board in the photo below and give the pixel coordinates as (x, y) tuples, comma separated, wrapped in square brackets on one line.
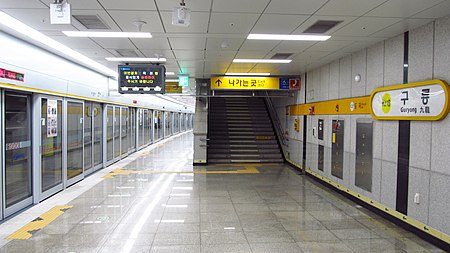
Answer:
[(8, 74), (142, 79)]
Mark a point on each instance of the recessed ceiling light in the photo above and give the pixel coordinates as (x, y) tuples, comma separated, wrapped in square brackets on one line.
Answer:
[(135, 59), (247, 74), (287, 37), (170, 73), (261, 61), (64, 50), (107, 34), (171, 80)]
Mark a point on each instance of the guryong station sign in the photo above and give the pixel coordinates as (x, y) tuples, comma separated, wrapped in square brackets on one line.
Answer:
[(254, 83)]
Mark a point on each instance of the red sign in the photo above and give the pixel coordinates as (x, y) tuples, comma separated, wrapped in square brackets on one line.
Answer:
[(294, 84), (8, 74)]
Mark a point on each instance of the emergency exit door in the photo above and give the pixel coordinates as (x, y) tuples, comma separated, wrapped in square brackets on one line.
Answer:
[(337, 148), (363, 168)]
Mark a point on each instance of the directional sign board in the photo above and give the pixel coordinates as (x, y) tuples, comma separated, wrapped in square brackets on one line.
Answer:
[(250, 83), (141, 79)]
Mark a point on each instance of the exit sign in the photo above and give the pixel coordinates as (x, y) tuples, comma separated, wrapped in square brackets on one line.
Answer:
[(183, 80)]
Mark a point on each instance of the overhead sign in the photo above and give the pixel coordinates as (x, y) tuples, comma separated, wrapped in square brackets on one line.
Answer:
[(250, 83), (172, 87), (142, 79), (426, 100), (183, 81), (8, 74)]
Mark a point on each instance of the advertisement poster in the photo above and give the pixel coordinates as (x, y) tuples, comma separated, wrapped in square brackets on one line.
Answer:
[(52, 118)]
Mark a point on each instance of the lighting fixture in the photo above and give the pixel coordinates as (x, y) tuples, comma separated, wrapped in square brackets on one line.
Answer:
[(135, 59), (171, 80), (287, 37), (33, 34), (170, 73), (247, 74), (107, 34), (261, 61)]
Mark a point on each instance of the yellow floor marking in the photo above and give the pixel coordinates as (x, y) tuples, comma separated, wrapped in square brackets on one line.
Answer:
[(39, 223), (249, 169)]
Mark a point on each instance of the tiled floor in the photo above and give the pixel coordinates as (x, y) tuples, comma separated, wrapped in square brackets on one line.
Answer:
[(274, 211)]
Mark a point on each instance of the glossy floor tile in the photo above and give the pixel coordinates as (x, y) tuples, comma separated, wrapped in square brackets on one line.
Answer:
[(161, 203)]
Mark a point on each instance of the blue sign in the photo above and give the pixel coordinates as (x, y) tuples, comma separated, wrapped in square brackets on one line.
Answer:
[(284, 83), (184, 81)]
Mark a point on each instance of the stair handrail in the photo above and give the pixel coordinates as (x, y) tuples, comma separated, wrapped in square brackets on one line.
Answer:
[(276, 120)]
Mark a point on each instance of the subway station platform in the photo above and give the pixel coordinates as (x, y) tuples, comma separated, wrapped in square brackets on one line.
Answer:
[(156, 201)]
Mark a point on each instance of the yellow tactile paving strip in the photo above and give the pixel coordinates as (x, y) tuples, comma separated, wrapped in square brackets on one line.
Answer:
[(39, 223), (248, 169)]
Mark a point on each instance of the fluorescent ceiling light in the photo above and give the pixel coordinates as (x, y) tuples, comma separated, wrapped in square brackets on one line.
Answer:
[(171, 80), (107, 34), (247, 74), (33, 34), (170, 73), (261, 61), (287, 37), (135, 59)]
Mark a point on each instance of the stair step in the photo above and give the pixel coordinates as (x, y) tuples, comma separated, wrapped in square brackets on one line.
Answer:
[(245, 160)]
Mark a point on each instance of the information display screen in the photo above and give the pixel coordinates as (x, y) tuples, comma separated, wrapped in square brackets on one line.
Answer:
[(142, 79)]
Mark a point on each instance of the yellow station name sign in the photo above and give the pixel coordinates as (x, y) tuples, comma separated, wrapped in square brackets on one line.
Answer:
[(245, 83)]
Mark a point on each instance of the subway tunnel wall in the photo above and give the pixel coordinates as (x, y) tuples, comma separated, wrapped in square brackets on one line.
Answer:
[(381, 65)]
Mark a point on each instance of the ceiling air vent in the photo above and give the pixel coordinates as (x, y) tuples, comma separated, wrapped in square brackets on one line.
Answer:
[(92, 22), (127, 53), (281, 56), (322, 26)]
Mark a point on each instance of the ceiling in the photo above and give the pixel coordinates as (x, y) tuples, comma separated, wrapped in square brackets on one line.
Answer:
[(198, 50)]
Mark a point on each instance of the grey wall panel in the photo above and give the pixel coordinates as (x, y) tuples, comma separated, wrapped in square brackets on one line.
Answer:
[(419, 182), (324, 82), (439, 202), (390, 141), (442, 49), (334, 80), (376, 184), (375, 67), (388, 183), (377, 139), (393, 61), (345, 77), (440, 146), (359, 64), (421, 53), (420, 146)]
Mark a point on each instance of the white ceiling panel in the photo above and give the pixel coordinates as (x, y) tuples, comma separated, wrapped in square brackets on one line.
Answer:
[(278, 24), (116, 43), (345, 20), (251, 54), (310, 55), (195, 5), (349, 7), (168, 54), (216, 44), (247, 6), (330, 45), (240, 67), (293, 46), (401, 27), (220, 55), (402, 8), (29, 4), (259, 45), (188, 43), (128, 4), (264, 68), (125, 20), (189, 54), (356, 46), (83, 5), (199, 23), (232, 22), (152, 43), (76, 43), (294, 6), (436, 11), (366, 26), (38, 19), (95, 53), (197, 64), (216, 68)]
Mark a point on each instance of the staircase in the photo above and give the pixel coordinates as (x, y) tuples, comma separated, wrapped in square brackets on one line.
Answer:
[(240, 131)]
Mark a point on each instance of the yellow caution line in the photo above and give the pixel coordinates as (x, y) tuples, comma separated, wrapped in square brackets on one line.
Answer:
[(39, 223), (118, 172)]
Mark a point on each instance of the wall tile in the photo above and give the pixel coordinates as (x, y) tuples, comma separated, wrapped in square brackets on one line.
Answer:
[(375, 67), (359, 62), (334, 80), (439, 202), (419, 182), (421, 53), (390, 141), (388, 184), (393, 61), (420, 146), (345, 76)]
